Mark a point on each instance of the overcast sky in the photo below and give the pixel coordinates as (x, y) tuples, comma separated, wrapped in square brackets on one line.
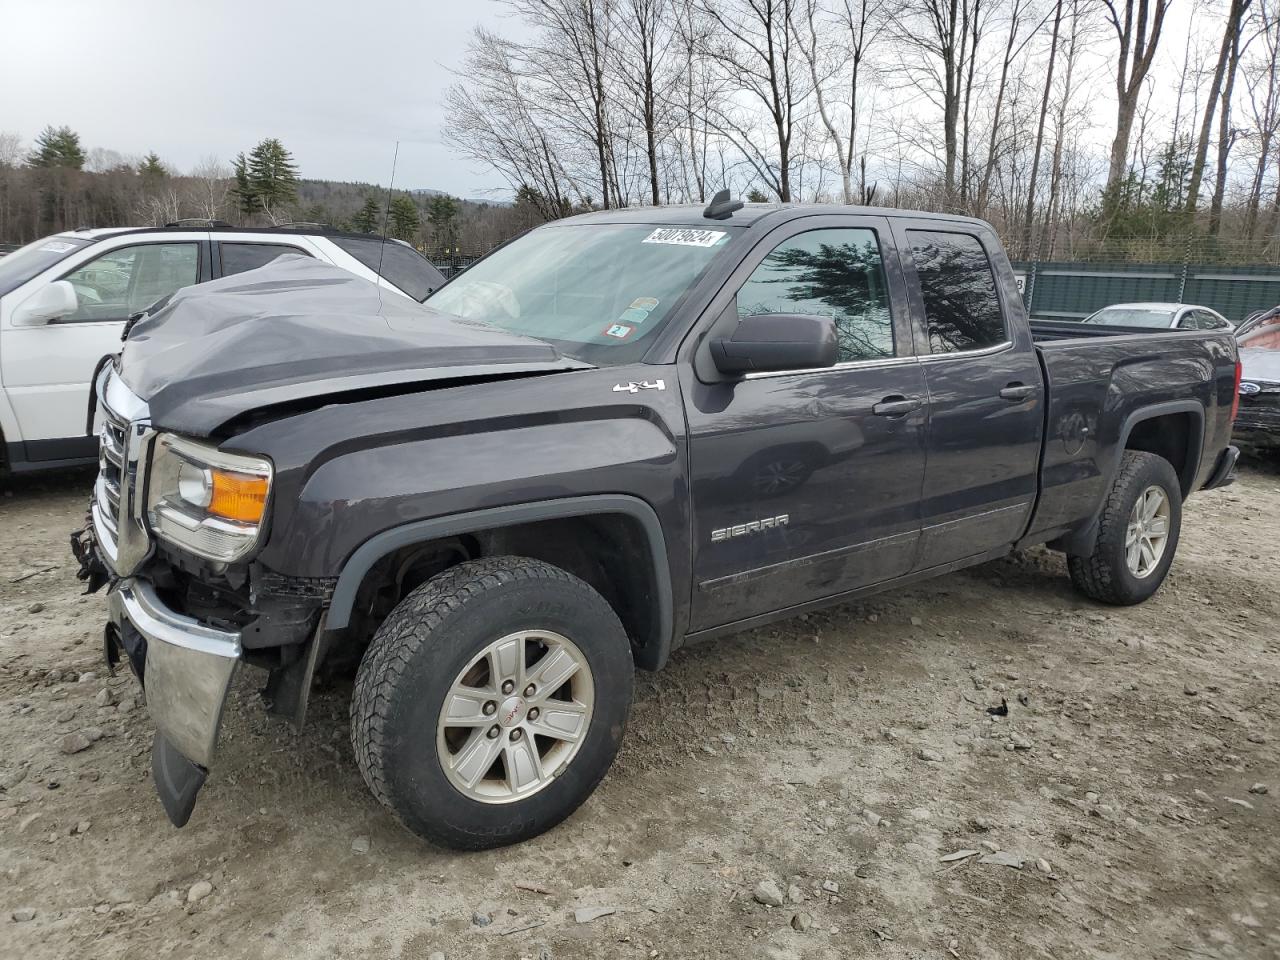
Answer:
[(338, 81)]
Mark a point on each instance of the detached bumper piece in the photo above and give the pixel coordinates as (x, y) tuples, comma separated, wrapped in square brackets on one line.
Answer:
[(188, 671), (1224, 473)]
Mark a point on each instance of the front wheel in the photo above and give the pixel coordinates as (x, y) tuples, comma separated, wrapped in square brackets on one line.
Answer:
[(491, 702), (1137, 533)]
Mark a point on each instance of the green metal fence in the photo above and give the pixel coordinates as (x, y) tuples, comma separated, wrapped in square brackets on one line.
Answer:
[(1071, 290)]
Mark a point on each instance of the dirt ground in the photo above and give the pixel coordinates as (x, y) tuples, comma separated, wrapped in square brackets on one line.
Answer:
[(844, 756)]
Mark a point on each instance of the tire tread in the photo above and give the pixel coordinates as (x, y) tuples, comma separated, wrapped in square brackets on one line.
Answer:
[(413, 622)]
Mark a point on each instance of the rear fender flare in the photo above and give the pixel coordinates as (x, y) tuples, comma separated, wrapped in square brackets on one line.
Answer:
[(420, 531), (1080, 542)]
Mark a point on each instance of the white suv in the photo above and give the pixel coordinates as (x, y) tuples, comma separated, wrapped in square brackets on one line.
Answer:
[(64, 301)]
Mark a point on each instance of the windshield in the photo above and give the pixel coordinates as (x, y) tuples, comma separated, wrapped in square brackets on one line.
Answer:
[(596, 292), (1132, 317), (1264, 334), (25, 262)]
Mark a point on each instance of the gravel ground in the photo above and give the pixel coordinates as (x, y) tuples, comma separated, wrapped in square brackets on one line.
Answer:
[(841, 767)]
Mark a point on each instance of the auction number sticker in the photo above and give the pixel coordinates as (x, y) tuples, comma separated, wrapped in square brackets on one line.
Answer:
[(619, 331), (683, 237)]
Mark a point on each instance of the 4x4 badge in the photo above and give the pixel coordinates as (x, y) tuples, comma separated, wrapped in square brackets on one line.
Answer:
[(634, 387)]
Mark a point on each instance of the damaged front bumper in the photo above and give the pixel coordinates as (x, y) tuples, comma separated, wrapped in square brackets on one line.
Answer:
[(186, 669)]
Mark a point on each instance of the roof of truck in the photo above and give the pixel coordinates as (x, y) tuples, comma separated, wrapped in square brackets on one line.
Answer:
[(694, 214)]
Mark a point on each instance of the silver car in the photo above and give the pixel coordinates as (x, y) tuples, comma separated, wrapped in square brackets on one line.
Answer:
[(1176, 316)]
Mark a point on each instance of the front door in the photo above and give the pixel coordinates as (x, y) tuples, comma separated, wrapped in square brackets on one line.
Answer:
[(985, 389), (806, 484), (47, 368)]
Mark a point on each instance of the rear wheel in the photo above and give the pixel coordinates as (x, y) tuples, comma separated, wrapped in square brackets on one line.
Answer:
[(1137, 533), (491, 702)]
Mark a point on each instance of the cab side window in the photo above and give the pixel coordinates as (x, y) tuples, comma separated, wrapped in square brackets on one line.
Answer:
[(836, 273), (126, 280), (962, 309)]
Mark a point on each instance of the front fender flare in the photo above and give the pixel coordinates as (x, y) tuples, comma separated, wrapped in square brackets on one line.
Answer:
[(420, 531)]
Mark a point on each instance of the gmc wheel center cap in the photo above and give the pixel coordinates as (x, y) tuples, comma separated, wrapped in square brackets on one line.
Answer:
[(511, 711)]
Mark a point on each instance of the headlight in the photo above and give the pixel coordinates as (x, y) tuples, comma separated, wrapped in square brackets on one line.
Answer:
[(206, 501)]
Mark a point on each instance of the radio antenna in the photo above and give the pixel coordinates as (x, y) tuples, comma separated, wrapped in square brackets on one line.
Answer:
[(386, 216)]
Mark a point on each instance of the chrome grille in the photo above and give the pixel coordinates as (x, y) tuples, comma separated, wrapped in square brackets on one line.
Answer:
[(123, 446)]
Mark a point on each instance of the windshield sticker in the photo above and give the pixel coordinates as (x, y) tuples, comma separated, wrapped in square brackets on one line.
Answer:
[(56, 246), (644, 303), (683, 237), (633, 315), (619, 331)]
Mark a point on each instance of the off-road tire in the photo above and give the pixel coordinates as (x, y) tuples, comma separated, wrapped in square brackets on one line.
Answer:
[(1104, 575), (421, 648)]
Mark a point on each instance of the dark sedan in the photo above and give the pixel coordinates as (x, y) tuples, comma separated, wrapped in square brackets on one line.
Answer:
[(1258, 423)]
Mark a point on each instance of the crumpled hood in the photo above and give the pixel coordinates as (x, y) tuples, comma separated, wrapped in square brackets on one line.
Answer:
[(297, 330)]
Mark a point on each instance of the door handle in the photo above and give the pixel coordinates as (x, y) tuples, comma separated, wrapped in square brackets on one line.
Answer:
[(1017, 391), (896, 405)]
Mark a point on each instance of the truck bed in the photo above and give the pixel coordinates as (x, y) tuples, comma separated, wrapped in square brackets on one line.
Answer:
[(1096, 377)]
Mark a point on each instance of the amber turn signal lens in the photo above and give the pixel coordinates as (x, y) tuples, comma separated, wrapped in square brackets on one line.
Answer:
[(238, 496)]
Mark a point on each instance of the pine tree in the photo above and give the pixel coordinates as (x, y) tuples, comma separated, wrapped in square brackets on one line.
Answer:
[(151, 168), (367, 218), (243, 189), (442, 211), (404, 218), (267, 180), (756, 195), (57, 147)]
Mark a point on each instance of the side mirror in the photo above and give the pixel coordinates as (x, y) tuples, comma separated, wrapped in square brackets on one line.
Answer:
[(776, 341), (53, 302)]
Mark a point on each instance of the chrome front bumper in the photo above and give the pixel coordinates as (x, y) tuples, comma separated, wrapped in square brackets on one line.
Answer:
[(189, 668)]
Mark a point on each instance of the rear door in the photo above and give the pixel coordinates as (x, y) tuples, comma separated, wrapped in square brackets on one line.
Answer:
[(985, 390), (806, 483)]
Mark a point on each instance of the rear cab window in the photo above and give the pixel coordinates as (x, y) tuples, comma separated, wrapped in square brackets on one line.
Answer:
[(958, 288)]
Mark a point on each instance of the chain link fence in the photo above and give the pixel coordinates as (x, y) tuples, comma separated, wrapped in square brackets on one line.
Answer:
[(1062, 290)]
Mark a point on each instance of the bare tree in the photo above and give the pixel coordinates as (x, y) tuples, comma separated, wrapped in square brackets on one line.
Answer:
[(1226, 136), (1137, 25), (696, 95), (1228, 57), (755, 46), (1078, 32), (159, 207), (11, 149), (1029, 223), (934, 37), (494, 119), (645, 42), (572, 54), (840, 62), (209, 187), (1022, 29), (1262, 78)]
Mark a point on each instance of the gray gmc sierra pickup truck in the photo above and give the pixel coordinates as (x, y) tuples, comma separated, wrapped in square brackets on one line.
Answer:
[(617, 434)]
